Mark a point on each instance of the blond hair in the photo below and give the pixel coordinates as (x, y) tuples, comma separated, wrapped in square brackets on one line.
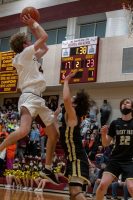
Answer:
[(17, 41)]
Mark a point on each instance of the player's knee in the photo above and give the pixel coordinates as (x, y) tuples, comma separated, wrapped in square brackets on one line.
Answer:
[(74, 192), (75, 196), (130, 187), (102, 187), (52, 138), (52, 132), (24, 131)]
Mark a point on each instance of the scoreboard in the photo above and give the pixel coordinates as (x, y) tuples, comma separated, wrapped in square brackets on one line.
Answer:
[(81, 54), (8, 73)]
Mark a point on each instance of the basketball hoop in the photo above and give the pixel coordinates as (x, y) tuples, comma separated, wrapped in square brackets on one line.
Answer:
[(127, 6)]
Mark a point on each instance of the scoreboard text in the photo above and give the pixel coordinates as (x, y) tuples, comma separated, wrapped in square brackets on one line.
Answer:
[(80, 54)]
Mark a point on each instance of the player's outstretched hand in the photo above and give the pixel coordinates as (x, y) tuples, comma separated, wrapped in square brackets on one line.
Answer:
[(104, 130), (71, 75), (28, 20)]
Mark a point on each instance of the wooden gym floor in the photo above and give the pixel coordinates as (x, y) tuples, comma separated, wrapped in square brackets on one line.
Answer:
[(6, 194)]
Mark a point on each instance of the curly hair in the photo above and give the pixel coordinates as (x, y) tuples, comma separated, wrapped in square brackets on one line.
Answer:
[(82, 102), (17, 41)]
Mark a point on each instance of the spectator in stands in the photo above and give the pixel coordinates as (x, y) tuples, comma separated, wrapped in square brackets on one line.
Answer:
[(41, 185), (10, 156), (105, 111), (34, 139), (9, 180), (16, 123), (53, 102), (3, 115), (17, 172), (93, 174), (120, 183), (33, 175), (85, 127), (43, 139), (4, 131), (115, 186), (13, 175), (126, 193), (11, 126), (103, 157), (59, 113), (26, 174), (93, 144), (21, 147), (2, 156), (98, 178), (93, 112)]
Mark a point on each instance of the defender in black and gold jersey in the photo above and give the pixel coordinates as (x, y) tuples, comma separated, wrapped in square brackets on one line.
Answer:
[(121, 160), (77, 169)]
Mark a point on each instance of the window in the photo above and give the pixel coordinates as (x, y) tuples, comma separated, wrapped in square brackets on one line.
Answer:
[(56, 36), (6, 1), (32, 38), (87, 30), (61, 35), (93, 29), (127, 60), (4, 44), (100, 29), (52, 36)]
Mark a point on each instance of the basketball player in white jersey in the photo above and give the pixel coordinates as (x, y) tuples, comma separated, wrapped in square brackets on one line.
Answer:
[(32, 84)]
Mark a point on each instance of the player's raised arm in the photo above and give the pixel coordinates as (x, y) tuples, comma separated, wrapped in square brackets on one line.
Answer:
[(106, 139), (72, 119), (39, 33)]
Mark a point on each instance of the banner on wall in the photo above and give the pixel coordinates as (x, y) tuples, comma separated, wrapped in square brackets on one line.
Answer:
[(8, 73)]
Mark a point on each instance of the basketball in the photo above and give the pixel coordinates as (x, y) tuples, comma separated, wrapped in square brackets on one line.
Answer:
[(34, 13)]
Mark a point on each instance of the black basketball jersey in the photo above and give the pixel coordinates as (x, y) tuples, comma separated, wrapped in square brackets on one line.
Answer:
[(72, 143), (122, 132)]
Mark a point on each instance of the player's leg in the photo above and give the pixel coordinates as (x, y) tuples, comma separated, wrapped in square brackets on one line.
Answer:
[(22, 131), (76, 187), (47, 117), (130, 186), (76, 193), (75, 182), (51, 143), (106, 180), (50, 149), (128, 174)]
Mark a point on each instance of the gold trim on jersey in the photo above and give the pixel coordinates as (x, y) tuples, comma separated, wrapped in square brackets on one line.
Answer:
[(70, 143), (78, 168), (74, 171), (67, 143)]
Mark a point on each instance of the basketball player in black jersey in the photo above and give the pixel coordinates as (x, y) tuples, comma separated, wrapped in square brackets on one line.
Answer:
[(77, 167), (121, 160)]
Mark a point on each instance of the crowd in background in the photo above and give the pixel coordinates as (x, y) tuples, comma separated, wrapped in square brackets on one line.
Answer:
[(21, 162)]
